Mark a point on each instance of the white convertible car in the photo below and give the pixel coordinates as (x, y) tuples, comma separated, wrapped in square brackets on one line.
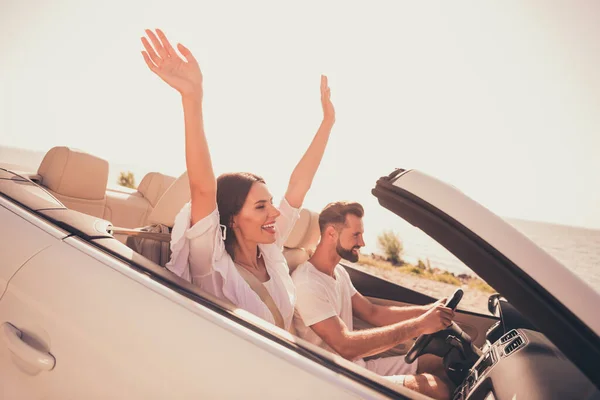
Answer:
[(84, 316)]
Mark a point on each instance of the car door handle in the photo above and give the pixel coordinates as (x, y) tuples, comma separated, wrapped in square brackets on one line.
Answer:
[(13, 339)]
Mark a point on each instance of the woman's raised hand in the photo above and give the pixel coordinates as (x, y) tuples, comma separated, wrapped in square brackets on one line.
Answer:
[(328, 110), (162, 59)]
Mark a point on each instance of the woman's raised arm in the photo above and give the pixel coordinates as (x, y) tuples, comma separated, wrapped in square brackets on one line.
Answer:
[(305, 171), (185, 77)]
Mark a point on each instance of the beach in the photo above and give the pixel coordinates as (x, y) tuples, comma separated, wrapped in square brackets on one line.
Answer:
[(473, 299)]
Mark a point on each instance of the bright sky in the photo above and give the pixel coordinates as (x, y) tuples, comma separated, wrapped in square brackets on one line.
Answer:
[(501, 100)]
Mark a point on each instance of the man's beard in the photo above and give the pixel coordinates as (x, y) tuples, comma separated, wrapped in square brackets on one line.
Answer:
[(345, 253)]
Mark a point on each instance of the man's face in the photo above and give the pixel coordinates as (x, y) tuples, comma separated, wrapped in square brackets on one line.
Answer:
[(350, 238)]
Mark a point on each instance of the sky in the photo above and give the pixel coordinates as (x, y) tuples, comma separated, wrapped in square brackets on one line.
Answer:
[(500, 99)]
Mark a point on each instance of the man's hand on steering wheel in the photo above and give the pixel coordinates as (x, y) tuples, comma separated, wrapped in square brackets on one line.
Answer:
[(438, 317)]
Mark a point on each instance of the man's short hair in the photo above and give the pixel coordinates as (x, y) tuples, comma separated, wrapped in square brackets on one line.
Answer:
[(335, 213)]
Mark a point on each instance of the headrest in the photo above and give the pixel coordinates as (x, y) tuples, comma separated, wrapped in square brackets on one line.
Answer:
[(74, 173), (306, 233), (295, 257), (153, 185), (171, 202)]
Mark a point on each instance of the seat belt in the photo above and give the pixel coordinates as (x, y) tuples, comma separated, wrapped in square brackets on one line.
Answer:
[(252, 281), (160, 237), (263, 293)]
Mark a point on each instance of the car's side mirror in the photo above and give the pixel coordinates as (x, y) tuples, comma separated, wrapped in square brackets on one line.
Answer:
[(493, 303)]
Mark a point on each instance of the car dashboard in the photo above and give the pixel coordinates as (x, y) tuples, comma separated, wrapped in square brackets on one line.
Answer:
[(524, 364)]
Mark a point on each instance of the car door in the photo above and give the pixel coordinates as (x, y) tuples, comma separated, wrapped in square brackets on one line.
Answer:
[(384, 292), (14, 250), (77, 323)]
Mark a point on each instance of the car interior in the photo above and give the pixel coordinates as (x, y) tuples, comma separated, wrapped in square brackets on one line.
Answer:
[(79, 180), (141, 220)]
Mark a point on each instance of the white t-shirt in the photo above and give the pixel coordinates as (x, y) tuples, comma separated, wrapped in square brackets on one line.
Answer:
[(198, 255), (320, 296)]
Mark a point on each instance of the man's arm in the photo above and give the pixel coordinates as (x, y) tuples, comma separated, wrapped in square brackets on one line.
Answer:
[(379, 315), (357, 344)]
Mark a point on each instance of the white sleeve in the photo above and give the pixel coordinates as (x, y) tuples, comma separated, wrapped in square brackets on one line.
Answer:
[(285, 222), (313, 303), (206, 245), (195, 246)]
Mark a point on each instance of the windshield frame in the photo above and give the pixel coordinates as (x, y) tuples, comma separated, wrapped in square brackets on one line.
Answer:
[(560, 325)]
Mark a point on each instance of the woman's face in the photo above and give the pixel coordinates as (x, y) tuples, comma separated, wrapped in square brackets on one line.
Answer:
[(256, 220)]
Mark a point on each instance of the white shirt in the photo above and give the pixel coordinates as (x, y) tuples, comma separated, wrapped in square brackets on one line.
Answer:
[(198, 255), (320, 296)]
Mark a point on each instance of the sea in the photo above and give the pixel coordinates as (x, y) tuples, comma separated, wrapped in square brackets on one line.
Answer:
[(575, 247)]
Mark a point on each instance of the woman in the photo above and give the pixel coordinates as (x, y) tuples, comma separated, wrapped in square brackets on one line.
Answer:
[(231, 235)]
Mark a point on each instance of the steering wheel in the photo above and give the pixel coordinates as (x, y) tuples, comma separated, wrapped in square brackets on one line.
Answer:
[(422, 341)]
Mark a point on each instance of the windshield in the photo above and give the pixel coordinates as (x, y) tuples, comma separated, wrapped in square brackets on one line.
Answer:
[(26, 192), (409, 257)]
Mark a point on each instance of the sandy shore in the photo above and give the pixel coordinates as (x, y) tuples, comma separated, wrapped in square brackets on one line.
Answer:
[(473, 299)]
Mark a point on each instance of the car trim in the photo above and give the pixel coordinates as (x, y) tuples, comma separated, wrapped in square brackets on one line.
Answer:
[(31, 217)]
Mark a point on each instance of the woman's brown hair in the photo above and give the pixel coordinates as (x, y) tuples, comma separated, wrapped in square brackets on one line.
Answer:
[(335, 213), (232, 190)]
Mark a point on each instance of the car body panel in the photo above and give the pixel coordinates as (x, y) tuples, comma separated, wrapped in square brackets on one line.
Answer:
[(117, 333), (14, 250)]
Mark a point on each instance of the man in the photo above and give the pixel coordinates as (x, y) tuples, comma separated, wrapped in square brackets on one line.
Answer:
[(327, 300)]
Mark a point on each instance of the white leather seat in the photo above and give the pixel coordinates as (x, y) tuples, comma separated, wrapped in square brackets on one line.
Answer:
[(171, 202), (303, 239), (128, 208), (79, 180), (160, 220), (76, 178)]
